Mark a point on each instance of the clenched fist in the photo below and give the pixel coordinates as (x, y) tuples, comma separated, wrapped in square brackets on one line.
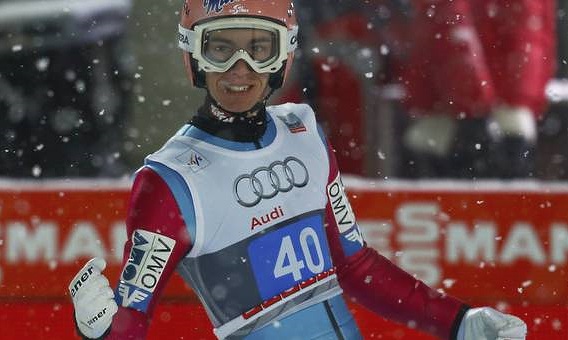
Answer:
[(93, 299), (488, 324)]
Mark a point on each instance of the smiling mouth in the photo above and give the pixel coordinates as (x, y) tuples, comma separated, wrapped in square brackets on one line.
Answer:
[(235, 88), (240, 88)]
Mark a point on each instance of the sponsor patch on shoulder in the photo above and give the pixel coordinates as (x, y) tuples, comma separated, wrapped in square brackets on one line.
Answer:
[(293, 122), (148, 257), (193, 159)]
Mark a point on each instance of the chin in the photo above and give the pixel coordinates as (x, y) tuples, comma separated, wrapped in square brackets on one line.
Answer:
[(237, 102), (238, 105)]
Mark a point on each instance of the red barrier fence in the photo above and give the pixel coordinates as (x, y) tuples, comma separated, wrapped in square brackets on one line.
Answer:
[(503, 245)]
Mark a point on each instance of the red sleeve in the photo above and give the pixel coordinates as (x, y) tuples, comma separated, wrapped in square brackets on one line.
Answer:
[(152, 208), (376, 283)]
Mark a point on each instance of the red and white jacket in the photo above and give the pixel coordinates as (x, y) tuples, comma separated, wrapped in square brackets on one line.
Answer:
[(171, 218)]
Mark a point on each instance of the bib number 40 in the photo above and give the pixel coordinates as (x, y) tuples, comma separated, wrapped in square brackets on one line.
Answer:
[(288, 255), (310, 254)]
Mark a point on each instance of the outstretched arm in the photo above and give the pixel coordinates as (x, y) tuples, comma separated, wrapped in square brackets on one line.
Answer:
[(375, 282)]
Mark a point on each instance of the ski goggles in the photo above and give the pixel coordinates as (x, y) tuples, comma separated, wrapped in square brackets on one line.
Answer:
[(218, 44)]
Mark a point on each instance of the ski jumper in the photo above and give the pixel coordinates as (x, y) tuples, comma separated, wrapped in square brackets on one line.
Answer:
[(264, 234)]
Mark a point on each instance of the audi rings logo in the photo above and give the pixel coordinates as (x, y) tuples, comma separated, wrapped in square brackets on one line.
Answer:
[(267, 182)]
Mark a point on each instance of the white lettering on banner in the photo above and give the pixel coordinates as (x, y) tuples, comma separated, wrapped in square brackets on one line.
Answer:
[(523, 243), (117, 240), (417, 239), (419, 231), (23, 243), (30, 244), (559, 243), (84, 240), (378, 232), (422, 262), (470, 246), (420, 221)]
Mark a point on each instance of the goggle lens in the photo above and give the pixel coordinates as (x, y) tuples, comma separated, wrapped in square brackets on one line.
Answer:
[(221, 44)]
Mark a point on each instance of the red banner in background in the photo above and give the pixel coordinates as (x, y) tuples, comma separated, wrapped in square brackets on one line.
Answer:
[(503, 245), (49, 229), (486, 242)]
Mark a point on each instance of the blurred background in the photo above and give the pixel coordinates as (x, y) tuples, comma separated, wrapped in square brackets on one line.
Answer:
[(118, 76), (385, 76), (449, 120)]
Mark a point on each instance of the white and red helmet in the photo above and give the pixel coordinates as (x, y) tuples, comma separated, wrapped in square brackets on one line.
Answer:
[(202, 17)]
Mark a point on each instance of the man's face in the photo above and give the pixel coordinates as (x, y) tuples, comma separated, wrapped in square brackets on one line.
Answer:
[(239, 88)]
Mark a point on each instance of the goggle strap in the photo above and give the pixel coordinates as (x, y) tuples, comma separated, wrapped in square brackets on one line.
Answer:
[(186, 39), (293, 39)]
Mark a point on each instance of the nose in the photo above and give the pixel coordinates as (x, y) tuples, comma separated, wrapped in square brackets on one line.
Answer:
[(241, 67)]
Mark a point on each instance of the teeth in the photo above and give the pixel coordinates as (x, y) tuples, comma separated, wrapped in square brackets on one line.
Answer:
[(235, 88)]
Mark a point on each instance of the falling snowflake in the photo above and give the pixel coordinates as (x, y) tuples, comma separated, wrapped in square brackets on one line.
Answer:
[(36, 171), (448, 283), (42, 64)]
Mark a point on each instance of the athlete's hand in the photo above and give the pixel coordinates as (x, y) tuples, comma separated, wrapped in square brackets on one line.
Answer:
[(93, 299), (488, 324)]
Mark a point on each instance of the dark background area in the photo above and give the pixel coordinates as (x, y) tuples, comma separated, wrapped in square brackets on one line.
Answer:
[(143, 97)]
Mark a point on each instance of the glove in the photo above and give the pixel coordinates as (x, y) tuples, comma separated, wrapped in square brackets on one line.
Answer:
[(488, 324), (93, 299)]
